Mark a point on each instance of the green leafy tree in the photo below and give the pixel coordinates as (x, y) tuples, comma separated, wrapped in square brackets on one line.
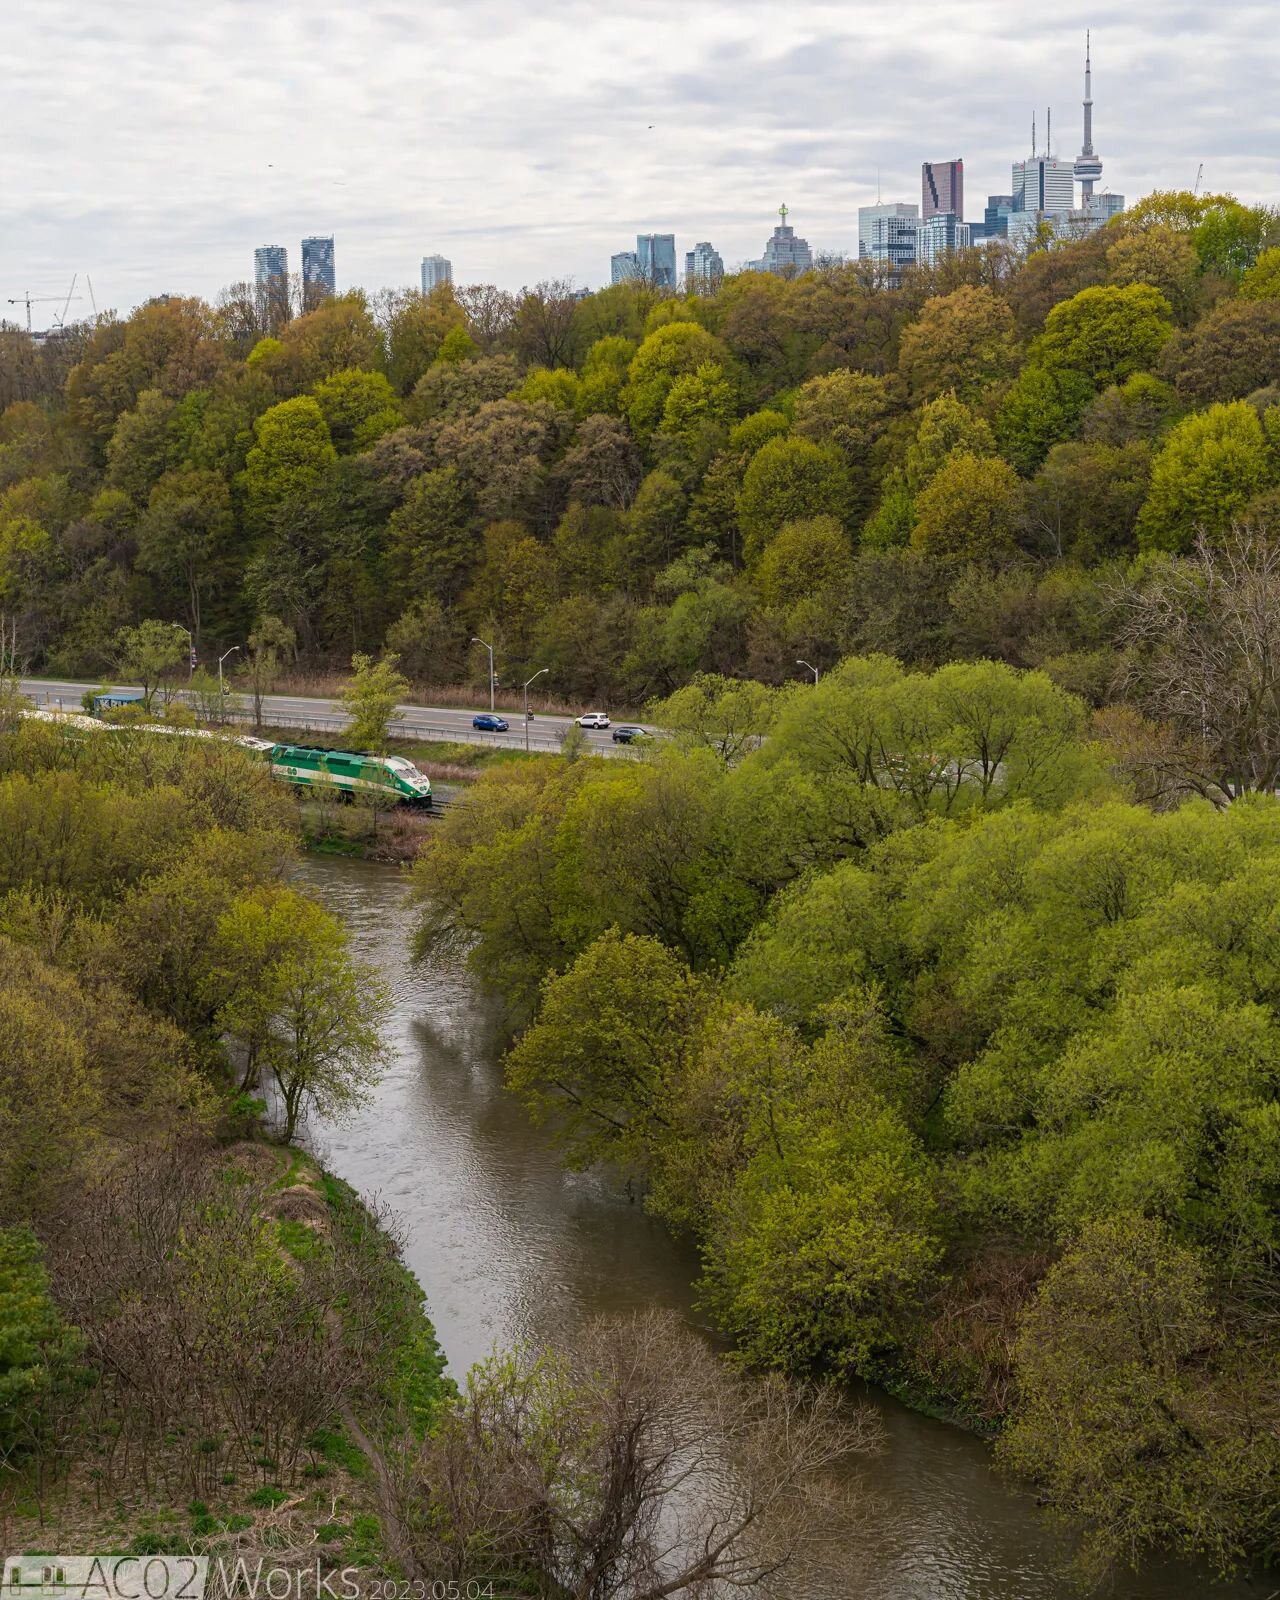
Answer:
[(789, 479), (270, 641), (432, 535), (824, 1246), (722, 714), (1162, 257), (946, 424), (1085, 499), (359, 407), (292, 450), (37, 1349), (333, 337), (808, 559), (141, 446), (185, 535), (150, 652), (699, 405), (1262, 280), (1229, 236), (891, 524), (323, 1044), (418, 325), (1211, 465), (669, 352), (1142, 408), (1042, 409), (607, 1053), (971, 509), (452, 389), (1112, 1418), (370, 699), (604, 373), (656, 521), (1106, 333), (427, 643), (961, 343), (1227, 354)]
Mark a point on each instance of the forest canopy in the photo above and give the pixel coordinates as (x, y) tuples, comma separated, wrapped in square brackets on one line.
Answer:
[(630, 487)]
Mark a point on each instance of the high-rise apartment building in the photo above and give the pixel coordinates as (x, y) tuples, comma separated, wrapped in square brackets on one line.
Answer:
[(874, 230), (942, 189), (656, 253), (786, 255), (624, 267), (435, 270), (270, 261), (271, 282), (318, 275), (703, 268), (940, 235)]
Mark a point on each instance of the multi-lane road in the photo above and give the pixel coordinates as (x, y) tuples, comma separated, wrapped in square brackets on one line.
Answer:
[(327, 718)]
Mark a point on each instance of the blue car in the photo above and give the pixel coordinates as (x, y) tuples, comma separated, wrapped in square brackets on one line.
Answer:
[(488, 723)]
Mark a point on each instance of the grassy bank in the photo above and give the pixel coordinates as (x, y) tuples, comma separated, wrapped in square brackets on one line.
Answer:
[(205, 1490)]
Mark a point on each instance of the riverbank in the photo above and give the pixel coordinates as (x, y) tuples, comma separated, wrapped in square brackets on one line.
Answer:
[(325, 1501)]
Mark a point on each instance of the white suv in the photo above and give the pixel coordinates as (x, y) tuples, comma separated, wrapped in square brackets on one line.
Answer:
[(592, 719)]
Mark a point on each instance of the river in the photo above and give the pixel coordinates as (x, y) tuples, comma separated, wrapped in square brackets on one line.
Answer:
[(509, 1247)]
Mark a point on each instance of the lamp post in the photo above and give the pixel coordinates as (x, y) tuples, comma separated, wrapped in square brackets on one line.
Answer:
[(489, 648), (222, 693), (528, 681), (810, 666)]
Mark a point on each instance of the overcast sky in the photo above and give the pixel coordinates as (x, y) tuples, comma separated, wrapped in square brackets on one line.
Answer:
[(152, 145)]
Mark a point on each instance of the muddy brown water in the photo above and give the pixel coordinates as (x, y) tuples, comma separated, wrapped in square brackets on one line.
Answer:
[(509, 1247)]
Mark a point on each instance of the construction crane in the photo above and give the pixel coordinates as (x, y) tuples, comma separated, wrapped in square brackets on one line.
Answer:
[(30, 300)]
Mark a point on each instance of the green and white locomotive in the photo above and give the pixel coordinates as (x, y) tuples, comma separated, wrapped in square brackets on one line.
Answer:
[(312, 767)]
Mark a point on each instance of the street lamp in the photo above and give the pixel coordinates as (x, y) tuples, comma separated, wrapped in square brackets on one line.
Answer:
[(528, 681), (489, 648), (810, 666), (221, 689)]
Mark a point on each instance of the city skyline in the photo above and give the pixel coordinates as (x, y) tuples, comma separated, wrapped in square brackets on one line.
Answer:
[(167, 184)]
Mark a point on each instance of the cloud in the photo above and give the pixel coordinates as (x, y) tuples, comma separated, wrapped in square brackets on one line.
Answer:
[(153, 146)]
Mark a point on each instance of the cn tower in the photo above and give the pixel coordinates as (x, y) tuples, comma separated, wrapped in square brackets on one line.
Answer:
[(1088, 167)]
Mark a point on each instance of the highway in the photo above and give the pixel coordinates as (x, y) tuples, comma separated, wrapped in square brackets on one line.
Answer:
[(326, 718)]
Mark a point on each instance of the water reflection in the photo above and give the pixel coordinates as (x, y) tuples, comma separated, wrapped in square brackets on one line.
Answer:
[(510, 1247)]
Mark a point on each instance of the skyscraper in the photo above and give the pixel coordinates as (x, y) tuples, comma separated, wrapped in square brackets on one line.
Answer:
[(942, 189), (435, 269), (271, 280), (270, 261), (941, 235), (995, 219), (873, 231), (703, 268), (318, 275), (1088, 166), (784, 254), (1044, 184), (656, 253), (624, 267)]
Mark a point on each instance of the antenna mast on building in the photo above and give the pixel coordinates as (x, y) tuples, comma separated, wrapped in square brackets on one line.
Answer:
[(1033, 135)]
